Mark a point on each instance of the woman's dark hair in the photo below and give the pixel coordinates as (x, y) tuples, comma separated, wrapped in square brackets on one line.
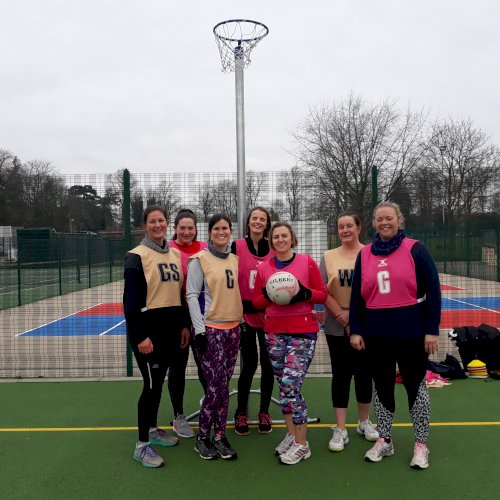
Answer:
[(268, 223), (185, 213), (153, 208), (216, 218), (279, 224), (355, 217)]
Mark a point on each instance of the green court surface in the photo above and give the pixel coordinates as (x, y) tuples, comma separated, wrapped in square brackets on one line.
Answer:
[(76, 439)]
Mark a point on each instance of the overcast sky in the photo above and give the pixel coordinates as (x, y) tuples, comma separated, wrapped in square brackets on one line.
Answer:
[(97, 85)]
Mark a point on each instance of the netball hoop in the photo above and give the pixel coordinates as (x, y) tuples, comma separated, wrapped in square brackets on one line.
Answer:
[(236, 39)]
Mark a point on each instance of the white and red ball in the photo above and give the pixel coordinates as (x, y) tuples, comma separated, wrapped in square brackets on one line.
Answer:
[(281, 287)]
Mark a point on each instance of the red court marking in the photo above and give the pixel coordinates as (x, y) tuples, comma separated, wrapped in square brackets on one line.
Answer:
[(113, 309), (467, 317), (450, 287)]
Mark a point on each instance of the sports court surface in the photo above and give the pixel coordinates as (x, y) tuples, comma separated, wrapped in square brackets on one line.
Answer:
[(460, 307), (75, 440)]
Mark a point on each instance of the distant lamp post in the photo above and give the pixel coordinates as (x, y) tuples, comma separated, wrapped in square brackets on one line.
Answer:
[(442, 149)]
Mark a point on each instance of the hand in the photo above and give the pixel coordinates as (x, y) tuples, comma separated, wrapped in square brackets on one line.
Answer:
[(357, 341), (343, 318), (184, 338), (200, 342), (264, 292), (431, 343), (302, 295), (146, 346)]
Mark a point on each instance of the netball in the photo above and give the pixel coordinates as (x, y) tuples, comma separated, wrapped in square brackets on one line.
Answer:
[(281, 287)]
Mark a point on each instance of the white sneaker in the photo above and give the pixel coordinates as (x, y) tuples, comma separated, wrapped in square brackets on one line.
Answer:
[(420, 458), (339, 439), (285, 445), (366, 429), (379, 450), (296, 453)]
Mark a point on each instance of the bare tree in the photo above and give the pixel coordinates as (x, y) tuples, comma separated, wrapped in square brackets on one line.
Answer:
[(205, 200), (467, 166), (292, 186), (44, 194), (340, 143), (254, 181), (164, 195)]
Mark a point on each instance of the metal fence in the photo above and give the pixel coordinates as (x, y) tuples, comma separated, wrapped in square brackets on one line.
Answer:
[(60, 294)]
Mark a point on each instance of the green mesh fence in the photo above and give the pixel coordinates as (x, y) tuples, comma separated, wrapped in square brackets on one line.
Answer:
[(61, 280)]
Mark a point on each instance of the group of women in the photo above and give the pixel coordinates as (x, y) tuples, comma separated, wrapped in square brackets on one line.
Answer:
[(382, 309)]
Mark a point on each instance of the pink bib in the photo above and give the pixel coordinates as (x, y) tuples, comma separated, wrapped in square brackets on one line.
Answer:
[(389, 281)]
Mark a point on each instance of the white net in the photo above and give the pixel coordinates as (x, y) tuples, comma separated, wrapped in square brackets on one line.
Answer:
[(236, 39)]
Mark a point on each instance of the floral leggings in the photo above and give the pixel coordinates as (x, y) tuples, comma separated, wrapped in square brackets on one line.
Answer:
[(291, 356), (217, 363)]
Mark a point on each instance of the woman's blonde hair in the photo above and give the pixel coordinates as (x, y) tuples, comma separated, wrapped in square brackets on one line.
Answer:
[(395, 207)]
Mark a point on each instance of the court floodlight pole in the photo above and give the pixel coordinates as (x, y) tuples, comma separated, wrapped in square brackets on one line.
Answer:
[(239, 64)]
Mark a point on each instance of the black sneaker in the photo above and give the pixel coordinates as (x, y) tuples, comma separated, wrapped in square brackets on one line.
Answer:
[(204, 448), (224, 449), (241, 424), (265, 426)]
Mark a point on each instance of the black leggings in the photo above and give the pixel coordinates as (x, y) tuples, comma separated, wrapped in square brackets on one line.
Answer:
[(411, 358), (153, 368), (177, 378), (249, 360), (348, 362)]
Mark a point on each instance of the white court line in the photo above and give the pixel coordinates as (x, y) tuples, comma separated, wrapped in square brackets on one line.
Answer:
[(112, 328), (47, 282), (58, 319), (474, 305)]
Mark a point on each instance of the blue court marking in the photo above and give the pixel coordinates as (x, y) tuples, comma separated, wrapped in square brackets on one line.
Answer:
[(471, 303), (95, 325), (85, 326)]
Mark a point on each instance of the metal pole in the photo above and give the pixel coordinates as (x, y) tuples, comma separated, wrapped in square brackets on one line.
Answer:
[(442, 148), (240, 137), (127, 242)]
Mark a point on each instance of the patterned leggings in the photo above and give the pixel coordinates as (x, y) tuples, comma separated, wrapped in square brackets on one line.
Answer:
[(411, 358), (291, 356), (217, 363)]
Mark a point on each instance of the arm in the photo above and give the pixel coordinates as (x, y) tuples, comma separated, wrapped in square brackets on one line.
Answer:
[(316, 284), (357, 305), (428, 284), (331, 304), (259, 301), (194, 287), (134, 298)]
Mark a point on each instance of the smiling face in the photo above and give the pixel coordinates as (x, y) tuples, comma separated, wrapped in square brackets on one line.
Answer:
[(257, 223), (185, 231), (220, 234), (282, 242), (348, 230), (386, 222), (156, 226)]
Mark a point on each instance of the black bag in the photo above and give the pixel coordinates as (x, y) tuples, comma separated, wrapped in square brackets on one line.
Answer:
[(448, 368), (482, 342)]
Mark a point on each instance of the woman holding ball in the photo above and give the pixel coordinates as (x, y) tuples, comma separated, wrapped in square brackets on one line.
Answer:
[(291, 333)]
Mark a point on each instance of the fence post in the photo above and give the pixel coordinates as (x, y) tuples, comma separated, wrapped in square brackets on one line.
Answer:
[(497, 231), (127, 242), (89, 270), (18, 278), (59, 262)]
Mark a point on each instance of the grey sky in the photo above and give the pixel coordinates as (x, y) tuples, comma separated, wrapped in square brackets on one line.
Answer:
[(97, 85)]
